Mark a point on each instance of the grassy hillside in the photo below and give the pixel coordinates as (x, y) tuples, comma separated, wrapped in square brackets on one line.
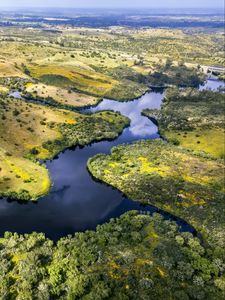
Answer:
[(117, 63), (58, 95), (193, 119), (29, 132)]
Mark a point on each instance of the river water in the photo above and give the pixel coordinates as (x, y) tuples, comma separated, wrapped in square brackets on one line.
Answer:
[(77, 202)]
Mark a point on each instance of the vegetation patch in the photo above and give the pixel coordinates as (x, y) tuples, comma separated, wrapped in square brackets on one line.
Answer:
[(133, 257), (155, 172), (82, 79), (60, 95), (193, 119), (7, 69), (31, 132), (3, 89), (117, 63), (175, 75)]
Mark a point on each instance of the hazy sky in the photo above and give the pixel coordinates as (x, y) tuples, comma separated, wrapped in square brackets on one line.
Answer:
[(114, 3)]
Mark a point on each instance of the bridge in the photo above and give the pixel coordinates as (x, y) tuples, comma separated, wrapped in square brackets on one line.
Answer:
[(216, 70), (212, 69)]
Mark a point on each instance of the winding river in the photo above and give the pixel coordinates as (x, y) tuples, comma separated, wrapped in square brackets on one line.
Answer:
[(77, 202)]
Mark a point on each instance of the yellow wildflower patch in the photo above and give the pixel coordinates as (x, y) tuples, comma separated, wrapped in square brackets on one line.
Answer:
[(161, 272), (18, 257), (46, 184), (113, 165), (147, 167), (190, 199), (43, 153), (70, 121), (29, 84), (126, 175), (142, 262), (18, 171)]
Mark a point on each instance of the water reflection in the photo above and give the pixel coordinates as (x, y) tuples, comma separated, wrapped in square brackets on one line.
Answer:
[(212, 84), (140, 126), (77, 202), (15, 94)]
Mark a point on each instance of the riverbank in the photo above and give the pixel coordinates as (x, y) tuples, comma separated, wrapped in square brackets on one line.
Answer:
[(171, 178), (192, 119), (30, 132), (77, 203)]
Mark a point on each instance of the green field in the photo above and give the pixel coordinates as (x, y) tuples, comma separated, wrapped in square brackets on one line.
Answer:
[(30, 132), (193, 119)]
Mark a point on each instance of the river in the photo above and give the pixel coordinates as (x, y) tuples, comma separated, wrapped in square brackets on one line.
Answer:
[(77, 202)]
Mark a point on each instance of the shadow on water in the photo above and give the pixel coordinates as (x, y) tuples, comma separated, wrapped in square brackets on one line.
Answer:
[(76, 201)]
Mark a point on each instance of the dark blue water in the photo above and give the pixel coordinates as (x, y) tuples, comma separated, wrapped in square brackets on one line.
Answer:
[(76, 201)]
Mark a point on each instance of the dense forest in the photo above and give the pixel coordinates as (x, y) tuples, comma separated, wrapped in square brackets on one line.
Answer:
[(133, 257)]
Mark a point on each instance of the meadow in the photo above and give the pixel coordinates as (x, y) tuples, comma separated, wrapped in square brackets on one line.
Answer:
[(193, 119), (117, 63), (30, 132), (59, 96)]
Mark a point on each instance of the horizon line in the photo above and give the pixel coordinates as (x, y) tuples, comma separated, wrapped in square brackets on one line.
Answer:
[(200, 7)]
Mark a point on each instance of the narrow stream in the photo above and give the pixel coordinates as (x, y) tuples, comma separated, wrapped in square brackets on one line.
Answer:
[(76, 201)]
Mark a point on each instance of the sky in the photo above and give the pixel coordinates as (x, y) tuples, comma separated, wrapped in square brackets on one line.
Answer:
[(114, 3)]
